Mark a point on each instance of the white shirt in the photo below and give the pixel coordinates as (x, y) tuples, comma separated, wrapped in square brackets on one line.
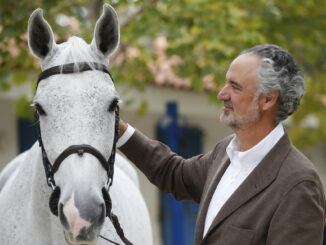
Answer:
[(126, 136), (241, 165)]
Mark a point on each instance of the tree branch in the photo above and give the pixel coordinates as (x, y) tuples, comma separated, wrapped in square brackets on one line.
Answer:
[(95, 9), (138, 12), (4, 7)]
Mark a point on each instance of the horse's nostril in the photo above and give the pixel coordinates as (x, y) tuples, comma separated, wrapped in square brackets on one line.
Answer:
[(62, 217)]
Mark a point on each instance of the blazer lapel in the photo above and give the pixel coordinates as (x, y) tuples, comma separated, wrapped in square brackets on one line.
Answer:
[(208, 193), (257, 181)]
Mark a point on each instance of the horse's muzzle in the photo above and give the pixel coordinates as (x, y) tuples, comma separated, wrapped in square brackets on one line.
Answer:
[(82, 221)]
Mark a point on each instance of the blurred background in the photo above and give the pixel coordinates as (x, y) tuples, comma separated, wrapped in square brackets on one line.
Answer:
[(171, 62)]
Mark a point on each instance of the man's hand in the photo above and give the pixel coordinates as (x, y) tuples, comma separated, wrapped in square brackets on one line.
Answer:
[(122, 127)]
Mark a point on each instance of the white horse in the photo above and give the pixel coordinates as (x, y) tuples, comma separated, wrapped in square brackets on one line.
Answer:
[(74, 109)]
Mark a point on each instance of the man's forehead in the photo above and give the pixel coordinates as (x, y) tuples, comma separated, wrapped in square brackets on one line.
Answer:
[(244, 65), (247, 59)]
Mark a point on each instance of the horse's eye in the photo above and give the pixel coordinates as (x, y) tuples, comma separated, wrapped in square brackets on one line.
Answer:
[(113, 105), (40, 110)]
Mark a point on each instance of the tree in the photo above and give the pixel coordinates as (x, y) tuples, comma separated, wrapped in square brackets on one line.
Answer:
[(185, 43)]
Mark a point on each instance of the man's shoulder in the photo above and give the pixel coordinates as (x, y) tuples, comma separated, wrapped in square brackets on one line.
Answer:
[(297, 168)]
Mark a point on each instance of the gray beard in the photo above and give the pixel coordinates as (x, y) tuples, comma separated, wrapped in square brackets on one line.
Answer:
[(237, 122)]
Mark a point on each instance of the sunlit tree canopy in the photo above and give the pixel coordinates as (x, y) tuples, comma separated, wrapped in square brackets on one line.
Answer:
[(185, 44)]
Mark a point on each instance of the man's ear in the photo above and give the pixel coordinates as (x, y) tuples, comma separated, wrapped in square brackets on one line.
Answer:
[(40, 35), (107, 32), (270, 100)]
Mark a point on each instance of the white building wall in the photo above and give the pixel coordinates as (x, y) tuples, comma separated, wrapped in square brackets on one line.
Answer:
[(8, 131)]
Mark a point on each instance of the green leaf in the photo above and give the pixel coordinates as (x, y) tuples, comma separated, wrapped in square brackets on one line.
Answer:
[(142, 109), (23, 108)]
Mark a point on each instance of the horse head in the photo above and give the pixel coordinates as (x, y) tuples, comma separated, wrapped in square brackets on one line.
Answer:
[(77, 109)]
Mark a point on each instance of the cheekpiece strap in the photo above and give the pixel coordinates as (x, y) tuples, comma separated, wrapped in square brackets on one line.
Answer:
[(114, 147), (45, 160)]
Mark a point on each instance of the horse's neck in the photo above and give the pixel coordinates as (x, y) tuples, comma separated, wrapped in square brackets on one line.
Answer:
[(125, 166)]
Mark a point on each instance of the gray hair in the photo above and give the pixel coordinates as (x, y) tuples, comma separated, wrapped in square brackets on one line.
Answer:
[(279, 72)]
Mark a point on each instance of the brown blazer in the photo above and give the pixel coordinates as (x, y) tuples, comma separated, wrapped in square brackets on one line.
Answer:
[(281, 202)]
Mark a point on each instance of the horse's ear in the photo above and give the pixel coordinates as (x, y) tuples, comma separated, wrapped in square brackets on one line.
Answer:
[(40, 35), (107, 32)]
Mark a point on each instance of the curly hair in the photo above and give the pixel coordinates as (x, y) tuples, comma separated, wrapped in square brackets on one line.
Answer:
[(279, 71)]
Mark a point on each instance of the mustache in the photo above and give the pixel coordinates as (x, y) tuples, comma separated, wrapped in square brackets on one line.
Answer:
[(228, 104)]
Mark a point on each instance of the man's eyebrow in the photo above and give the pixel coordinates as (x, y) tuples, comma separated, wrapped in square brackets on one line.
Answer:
[(235, 84)]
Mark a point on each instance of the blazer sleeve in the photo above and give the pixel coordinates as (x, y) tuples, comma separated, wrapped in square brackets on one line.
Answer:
[(183, 178), (299, 218)]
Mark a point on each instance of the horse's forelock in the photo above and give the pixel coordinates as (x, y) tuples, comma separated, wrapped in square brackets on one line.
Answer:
[(79, 51), (74, 50)]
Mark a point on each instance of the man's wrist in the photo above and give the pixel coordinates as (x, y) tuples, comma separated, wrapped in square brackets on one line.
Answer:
[(122, 127), (126, 132)]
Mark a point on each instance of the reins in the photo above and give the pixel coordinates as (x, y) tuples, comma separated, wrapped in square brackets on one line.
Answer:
[(108, 165)]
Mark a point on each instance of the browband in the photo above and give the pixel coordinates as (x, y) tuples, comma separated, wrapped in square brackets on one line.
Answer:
[(71, 68)]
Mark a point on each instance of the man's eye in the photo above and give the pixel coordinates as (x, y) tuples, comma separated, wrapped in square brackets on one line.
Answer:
[(236, 87), (113, 105), (40, 110)]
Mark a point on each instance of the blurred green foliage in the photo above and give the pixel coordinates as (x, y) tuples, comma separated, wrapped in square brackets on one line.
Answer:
[(205, 34)]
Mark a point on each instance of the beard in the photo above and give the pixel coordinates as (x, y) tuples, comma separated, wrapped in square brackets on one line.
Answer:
[(240, 122)]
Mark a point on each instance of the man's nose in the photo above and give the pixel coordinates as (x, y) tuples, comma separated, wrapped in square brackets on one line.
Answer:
[(223, 94)]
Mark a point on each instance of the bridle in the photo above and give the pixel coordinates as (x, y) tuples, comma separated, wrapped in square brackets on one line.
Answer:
[(108, 165)]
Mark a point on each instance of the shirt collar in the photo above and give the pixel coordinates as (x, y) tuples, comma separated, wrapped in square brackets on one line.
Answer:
[(255, 154)]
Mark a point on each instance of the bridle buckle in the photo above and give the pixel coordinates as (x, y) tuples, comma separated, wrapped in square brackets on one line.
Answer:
[(80, 152), (51, 183), (108, 184)]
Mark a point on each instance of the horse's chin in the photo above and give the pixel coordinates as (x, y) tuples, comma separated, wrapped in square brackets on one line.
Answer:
[(70, 242)]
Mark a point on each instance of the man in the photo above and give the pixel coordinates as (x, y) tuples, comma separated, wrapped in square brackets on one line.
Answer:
[(254, 187)]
